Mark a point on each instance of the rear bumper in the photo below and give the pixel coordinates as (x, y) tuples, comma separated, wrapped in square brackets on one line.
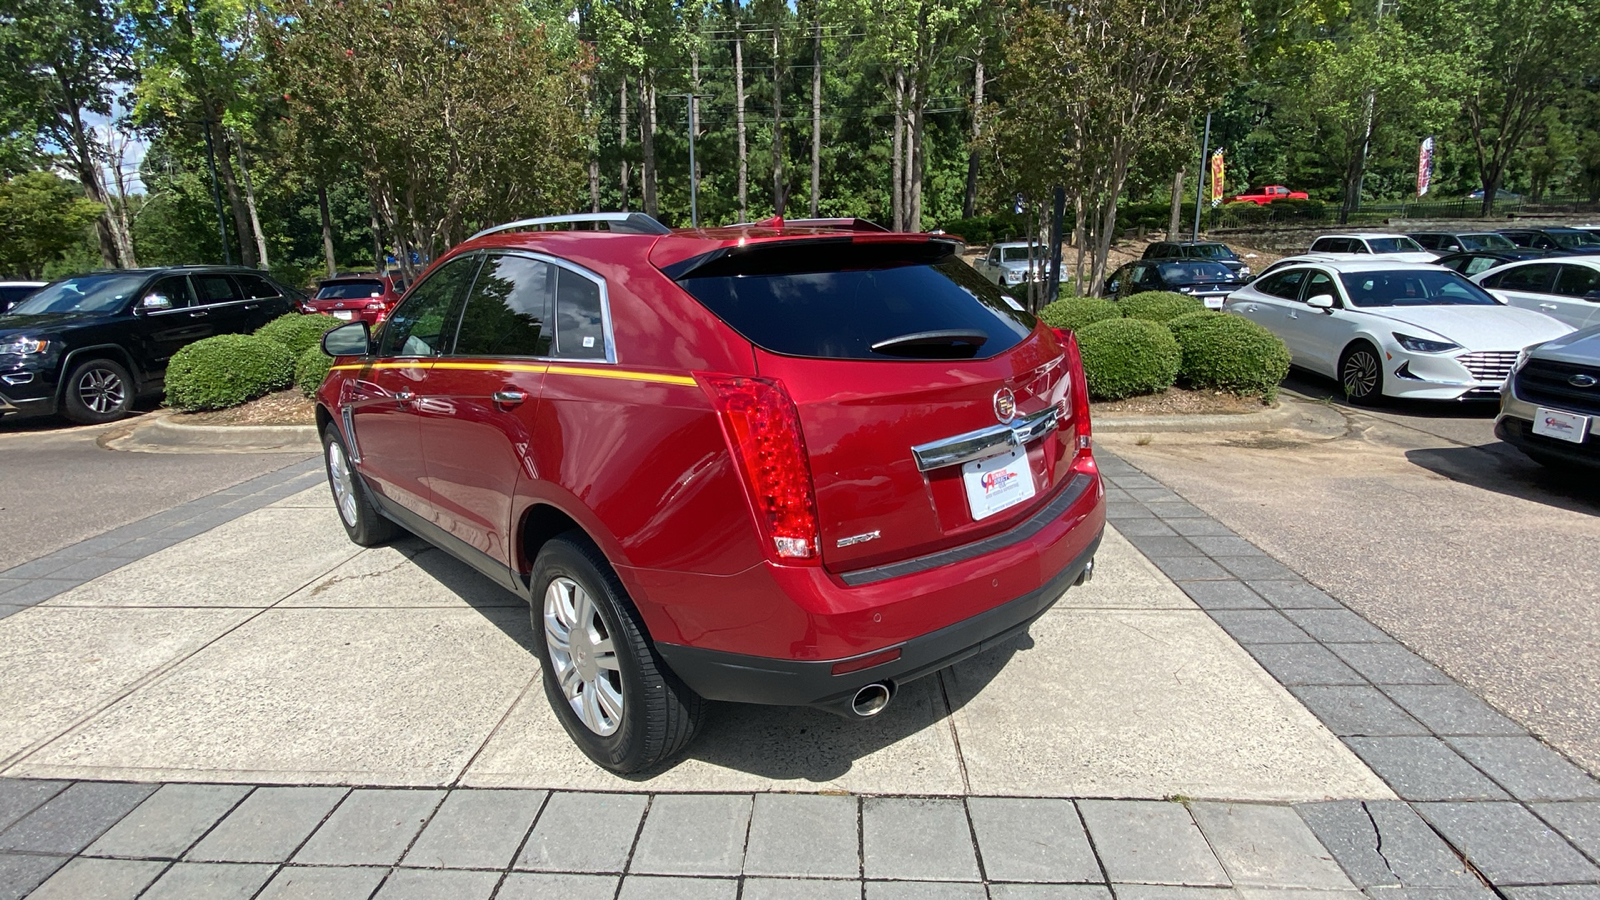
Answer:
[(734, 677)]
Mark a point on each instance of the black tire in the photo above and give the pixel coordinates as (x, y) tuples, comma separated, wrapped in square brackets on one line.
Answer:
[(659, 714), (1361, 373), (97, 391), (360, 517)]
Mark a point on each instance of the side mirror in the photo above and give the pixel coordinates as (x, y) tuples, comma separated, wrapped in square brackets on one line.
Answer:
[(154, 303), (1592, 296), (1321, 301), (354, 339)]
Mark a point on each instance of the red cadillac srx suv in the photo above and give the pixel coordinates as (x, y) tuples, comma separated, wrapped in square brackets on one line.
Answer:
[(793, 463)]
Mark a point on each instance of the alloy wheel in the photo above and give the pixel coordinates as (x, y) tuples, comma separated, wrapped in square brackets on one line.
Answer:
[(1361, 374), (584, 656), (101, 391), (344, 483)]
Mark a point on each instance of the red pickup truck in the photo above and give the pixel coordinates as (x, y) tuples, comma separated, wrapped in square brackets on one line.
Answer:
[(1263, 195)]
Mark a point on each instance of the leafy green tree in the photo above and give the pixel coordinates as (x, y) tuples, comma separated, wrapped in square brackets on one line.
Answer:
[(41, 218), (61, 62)]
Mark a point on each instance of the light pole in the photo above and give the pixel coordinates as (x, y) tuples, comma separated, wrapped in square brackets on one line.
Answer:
[(1200, 182)]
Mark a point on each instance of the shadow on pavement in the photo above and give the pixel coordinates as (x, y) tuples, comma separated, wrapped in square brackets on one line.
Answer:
[(1503, 470), (782, 743)]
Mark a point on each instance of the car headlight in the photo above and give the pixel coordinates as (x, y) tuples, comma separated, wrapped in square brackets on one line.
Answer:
[(23, 346), (1423, 345), (1244, 270), (1186, 290)]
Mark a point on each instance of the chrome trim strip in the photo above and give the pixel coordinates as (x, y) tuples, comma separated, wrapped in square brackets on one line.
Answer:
[(985, 442), (1070, 494), (348, 415), (629, 222)]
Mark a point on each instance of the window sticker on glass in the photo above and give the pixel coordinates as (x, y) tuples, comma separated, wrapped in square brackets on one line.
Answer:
[(1012, 302), (588, 340)]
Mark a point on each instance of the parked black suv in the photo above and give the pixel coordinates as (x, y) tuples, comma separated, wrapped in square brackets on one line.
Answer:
[(89, 345), (1554, 240), (1208, 251)]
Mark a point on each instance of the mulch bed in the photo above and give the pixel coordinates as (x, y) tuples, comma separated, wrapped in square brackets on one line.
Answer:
[(282, 408), (1179, 402)]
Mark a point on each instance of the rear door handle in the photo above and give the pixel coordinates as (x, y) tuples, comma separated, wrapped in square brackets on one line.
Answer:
[(509, 398), (199, 313)]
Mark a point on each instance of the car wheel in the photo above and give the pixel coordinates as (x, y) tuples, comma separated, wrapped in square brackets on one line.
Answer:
[(98, 391), (360, 517), (614, 696), (1361, 373)]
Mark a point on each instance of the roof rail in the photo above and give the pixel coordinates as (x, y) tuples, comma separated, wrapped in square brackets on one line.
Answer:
[(616, 222)]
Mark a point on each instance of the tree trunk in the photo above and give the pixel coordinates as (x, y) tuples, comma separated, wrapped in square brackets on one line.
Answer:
[(897, 173), (919, 104), (779, 192), (377, 244), (969, 204), (647, 142), (241, 218), (594, 184), (250, 204), (327, 229), (738, 93), (622, 140), (88, 172), (816, 119), (1177, 206)]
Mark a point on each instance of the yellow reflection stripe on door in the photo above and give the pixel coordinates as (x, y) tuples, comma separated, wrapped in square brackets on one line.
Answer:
[(581, 371)]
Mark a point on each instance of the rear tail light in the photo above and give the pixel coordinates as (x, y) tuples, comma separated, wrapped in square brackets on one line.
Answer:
[(762, 427), (1079, 393)]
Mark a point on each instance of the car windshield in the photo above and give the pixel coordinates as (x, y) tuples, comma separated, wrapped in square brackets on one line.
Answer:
[(1194, 272), (1487, 241), (1393, 245), (350, 290), (1573, 240), (86, 294), (1413, 287), (1213, 251), (1015, 254)]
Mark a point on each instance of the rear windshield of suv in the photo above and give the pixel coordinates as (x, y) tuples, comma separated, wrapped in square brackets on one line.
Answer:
[(1195, 272), (1393, 245), (350, 290), (838, 299), (1212, 251)]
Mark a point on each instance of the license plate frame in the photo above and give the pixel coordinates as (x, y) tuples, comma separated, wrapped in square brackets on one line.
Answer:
[(1560, 425), (344, 315), (996, 483)]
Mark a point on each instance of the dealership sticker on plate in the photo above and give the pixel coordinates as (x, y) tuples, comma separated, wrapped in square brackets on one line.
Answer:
[(1560, 425), (1214, 302), (997, 483), (343, 314)]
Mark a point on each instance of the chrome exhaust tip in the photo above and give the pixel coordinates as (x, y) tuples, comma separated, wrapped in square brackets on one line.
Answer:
[(1087, 574), (870, 700)]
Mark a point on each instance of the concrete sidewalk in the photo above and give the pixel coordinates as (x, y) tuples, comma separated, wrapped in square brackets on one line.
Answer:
[(264, 649)]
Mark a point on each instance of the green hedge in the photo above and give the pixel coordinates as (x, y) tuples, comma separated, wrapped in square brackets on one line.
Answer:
[(1159, 306), (1074, 313), (227, 370), (310, 370), (1230, 353), (1128, 357), (298, 332)]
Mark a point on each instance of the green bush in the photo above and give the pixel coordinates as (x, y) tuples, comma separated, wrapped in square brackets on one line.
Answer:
[(310, 370), (1128, 357), (1230, 353), (1159, 306), (227, 370), (1074, 313), (298, 332)]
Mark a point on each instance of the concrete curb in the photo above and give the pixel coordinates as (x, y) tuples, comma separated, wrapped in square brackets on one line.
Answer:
[(1268, 419), (163, 435)]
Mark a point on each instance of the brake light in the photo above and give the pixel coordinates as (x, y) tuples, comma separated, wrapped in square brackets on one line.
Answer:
[(762, 427), (1079, 389)]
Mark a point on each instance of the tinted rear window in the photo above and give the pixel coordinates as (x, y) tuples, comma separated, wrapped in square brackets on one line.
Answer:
[(836, 299), (350, 290)]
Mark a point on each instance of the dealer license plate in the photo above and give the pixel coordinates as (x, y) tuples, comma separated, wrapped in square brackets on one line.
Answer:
[(344, 314), (997, 483), (1561, 425), (1214, 302)]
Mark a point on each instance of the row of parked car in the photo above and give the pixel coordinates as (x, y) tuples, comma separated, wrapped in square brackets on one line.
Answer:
[(90, 346)]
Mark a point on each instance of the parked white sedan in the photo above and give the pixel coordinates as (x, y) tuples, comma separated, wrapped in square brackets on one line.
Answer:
[(1393, 329), (1565, 288)]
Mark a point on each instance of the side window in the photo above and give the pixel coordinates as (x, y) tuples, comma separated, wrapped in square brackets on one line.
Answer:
[(1284, 284), (1319, 283), (994, 256), (579, 331), (1533, 279), (418, 326), (1577, 281), (1359, 246), (507, 309), (174, 289), (1426, 241), (254, 287), (214, 289), (1323, 245), (1540, 242)]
